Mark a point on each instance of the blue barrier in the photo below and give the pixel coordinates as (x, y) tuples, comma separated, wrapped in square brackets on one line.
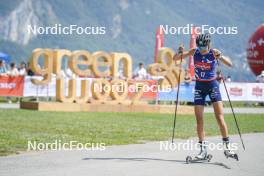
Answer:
[(186, 93)]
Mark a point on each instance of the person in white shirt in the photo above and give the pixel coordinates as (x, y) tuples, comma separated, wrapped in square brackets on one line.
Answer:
[(140, 72), (70, 74), (228, 79), (13, 70), (22, 69), (120, 74), (260, 78), (3, 71)]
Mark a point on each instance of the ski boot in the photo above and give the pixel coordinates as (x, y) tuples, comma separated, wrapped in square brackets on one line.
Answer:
[(227, 151), (202, 155)]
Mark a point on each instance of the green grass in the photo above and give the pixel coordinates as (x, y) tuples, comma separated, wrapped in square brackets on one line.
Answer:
[(19, 126)]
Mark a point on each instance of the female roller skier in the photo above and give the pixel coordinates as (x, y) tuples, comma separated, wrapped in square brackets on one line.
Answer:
[(205, 64)]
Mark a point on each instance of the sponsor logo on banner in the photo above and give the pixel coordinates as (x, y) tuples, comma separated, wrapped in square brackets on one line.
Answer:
[(11, 86), (257, 91), (236, 91)]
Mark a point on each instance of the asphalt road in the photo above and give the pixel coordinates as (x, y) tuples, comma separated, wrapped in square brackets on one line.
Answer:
[(240, 110), (138, 159)]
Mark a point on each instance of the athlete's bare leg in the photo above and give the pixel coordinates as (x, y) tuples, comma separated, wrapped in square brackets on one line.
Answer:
[(199, 110), (219, 115)]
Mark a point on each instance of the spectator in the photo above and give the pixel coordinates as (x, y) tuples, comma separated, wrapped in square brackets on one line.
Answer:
[(69, 73), (13, 70), (228, 79), (22, 69), (260, 78), (29, 71), (120, 74), (140, 72), (187, 77), (3, 71)]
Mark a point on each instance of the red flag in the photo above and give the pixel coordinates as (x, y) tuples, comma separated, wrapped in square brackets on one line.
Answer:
[(159, 42), (192, 45)]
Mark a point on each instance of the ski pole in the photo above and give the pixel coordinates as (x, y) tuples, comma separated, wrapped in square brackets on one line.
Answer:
[(177, 99), (231, 106)]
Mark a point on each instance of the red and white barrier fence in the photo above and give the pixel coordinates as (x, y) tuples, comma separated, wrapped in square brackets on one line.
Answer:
[(243, 91)]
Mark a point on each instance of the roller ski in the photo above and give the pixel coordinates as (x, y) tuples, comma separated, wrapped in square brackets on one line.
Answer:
[(229, 153), (207, 158), (202, 156)]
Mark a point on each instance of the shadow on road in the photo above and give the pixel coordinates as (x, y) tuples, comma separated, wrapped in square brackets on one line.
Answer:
[(211, 163), (159, 159)]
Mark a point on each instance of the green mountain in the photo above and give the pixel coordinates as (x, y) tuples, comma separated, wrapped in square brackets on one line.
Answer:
[(130, 26)]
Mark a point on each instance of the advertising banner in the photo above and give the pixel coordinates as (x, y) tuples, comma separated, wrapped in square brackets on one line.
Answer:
[(22, 86), (236, 91), (11, 86)]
